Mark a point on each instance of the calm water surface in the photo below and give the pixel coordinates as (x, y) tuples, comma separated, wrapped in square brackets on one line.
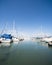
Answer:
[(26, 53)]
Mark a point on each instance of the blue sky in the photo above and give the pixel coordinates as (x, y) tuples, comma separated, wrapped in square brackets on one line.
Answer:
[(29, 15)]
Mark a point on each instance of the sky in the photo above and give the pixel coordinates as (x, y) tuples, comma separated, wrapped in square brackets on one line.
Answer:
[(30, 16)]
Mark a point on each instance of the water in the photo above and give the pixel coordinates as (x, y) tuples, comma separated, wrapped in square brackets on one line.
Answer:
[(26, 53)]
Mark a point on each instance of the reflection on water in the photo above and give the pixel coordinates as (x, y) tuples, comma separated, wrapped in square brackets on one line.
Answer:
[(26, 53), (4, 54)]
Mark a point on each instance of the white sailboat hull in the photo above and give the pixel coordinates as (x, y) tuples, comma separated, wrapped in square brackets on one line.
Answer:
[(6, 41), (15, 39), (47, 39)]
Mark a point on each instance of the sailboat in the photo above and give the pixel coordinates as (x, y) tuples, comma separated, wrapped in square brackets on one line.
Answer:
[(39, 36), (5, 37)]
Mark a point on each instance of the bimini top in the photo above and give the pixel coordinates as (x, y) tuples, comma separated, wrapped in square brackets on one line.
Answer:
[(6, 36)]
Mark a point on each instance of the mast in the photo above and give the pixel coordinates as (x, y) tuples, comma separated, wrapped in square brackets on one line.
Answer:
[(14, 25), (14, 29), (4, 29)]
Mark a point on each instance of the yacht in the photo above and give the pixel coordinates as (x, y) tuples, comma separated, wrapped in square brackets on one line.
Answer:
[(6, 38), (46, 39), (15, 39), (50, 43)]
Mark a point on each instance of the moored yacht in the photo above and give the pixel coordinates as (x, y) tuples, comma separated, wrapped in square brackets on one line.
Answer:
[(6, 38), (50, 43), (46, 39), (15, 39)]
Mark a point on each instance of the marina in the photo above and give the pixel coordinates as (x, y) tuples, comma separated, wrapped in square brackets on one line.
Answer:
[(25, 32)]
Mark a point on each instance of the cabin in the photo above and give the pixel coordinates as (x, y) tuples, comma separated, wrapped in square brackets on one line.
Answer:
[(6, 36)]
